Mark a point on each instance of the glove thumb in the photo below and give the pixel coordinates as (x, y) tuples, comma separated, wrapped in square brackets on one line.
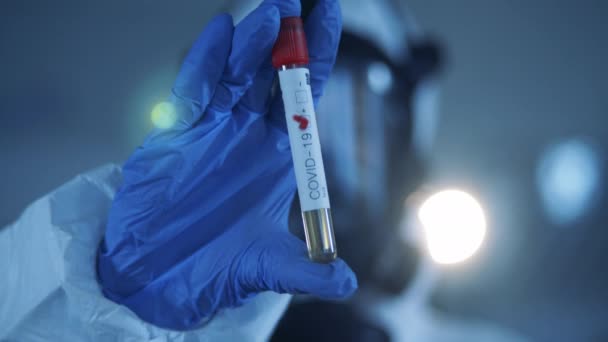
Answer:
[(283, 266)]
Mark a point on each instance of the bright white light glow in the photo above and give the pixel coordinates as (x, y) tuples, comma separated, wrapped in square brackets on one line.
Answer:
[(454, 225), (163, 115)]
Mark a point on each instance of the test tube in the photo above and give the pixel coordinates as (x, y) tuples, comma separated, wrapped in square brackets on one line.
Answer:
[(290, 58)]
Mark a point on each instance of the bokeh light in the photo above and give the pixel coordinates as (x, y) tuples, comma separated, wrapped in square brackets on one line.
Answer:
[(568, 177), (454, 225), (379, 78), (163, 115)]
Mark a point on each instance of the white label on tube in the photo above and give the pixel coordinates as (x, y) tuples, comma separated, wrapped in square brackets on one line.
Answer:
[(304, 138)]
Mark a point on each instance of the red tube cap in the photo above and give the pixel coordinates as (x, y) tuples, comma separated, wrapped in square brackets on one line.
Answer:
[(290, 47)]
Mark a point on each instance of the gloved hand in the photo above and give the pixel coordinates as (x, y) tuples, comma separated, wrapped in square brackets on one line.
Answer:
[(200, 222)]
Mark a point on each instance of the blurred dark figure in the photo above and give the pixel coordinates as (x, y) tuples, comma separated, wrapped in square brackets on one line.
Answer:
[(374, 159)]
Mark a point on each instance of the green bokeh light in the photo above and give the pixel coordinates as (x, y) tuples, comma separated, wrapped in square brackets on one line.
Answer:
[(163, 115)]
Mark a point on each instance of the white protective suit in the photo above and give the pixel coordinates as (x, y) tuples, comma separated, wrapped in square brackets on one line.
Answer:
[(48, 285)]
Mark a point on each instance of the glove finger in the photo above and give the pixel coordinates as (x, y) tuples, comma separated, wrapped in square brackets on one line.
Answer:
[(323, 28), (258, 97), (284, 267), (287, 8), (202, 69), (252, 43)]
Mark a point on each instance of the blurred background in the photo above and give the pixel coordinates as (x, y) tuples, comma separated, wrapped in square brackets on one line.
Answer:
[(522, 124)]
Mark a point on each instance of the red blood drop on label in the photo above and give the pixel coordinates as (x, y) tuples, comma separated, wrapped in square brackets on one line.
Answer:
[(303, 121)]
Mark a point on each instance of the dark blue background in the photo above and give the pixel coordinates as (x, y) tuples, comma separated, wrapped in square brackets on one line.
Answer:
[(78, 80)]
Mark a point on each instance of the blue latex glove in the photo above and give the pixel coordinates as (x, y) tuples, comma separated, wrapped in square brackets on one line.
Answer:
[(200, 222)]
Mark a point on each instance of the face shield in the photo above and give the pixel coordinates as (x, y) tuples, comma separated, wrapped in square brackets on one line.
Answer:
[(367, 127)]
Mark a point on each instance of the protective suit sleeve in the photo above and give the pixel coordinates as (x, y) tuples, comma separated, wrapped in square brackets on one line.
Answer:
[(49, 290)]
